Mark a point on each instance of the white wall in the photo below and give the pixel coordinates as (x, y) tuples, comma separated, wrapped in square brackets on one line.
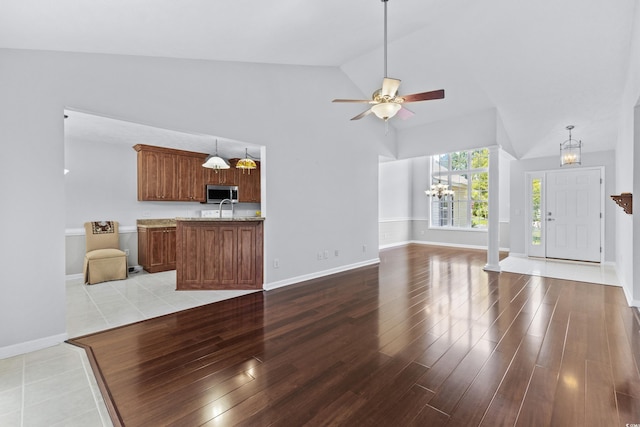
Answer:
[(627, 177), (305, 213), (394, 202), (395, 186)]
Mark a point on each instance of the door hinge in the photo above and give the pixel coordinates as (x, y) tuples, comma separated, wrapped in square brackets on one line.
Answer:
[(600, 249), (600, 181), (601, 215)]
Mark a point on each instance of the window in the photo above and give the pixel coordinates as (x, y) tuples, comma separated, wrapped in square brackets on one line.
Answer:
[(466, 173)]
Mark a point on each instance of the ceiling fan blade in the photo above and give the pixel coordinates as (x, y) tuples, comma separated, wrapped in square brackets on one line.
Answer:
[(404, 113), (424, 96), (389, 87), (362, 101), (361, 115)]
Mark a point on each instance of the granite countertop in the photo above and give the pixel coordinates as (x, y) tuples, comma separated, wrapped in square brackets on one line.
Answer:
[(156, 223), (232, 219)]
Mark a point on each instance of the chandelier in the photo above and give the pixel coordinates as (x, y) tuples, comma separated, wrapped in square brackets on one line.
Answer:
[(570, 150), (439, 190)]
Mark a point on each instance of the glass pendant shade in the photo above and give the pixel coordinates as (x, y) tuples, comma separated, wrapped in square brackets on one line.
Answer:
[(386, 110), (570, 150), (216, 162), (246, 163)]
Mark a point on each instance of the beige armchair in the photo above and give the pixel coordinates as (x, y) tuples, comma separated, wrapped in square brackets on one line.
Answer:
[(104, 260)]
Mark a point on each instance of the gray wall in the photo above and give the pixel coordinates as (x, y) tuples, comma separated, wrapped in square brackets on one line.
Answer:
[(304, 212)]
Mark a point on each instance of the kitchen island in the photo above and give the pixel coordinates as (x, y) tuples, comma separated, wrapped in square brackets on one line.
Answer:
[(219, 253)]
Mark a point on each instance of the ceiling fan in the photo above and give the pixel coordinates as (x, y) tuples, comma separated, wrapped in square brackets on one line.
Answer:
[(385, 102)]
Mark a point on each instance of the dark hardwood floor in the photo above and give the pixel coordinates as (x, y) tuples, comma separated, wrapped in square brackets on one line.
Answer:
[(427, 338)]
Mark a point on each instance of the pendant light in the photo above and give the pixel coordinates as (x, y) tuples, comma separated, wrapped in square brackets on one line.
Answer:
[(570, 150), (216, 162), (246, 163), (439, 190)]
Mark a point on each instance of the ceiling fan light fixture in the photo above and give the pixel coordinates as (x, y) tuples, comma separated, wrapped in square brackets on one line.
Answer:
[(386, 110), (385, 101), (216, 162)]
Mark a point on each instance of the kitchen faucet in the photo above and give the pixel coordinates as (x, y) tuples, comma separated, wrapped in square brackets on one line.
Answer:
[(220, 208)]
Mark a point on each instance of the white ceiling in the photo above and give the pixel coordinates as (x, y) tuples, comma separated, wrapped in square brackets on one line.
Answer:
[(542, 64)]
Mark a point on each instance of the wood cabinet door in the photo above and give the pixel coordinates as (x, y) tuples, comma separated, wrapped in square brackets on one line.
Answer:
[(169, 173), (156, 256), (190, 183), (248, 182), (190, 257), (247, 255), (149, 177), (228, 255), (170, 248), (220, 176)]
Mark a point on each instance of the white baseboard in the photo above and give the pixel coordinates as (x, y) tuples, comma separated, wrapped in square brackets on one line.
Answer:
[(393, 245), (454, 245), (29, 346), (305, 277)]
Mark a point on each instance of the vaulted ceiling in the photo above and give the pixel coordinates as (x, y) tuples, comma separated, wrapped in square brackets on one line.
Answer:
[(541, 64)]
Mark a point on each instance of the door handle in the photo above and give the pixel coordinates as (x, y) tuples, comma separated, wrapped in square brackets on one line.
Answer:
[(551, 219)]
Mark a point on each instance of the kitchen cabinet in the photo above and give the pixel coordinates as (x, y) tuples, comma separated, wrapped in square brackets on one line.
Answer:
[(157, 248), (219, 254), (190, 179), (220, 176), (248, 182), (166, 174)]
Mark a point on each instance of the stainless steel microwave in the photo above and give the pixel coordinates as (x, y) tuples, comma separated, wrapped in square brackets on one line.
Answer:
[(218, 193)]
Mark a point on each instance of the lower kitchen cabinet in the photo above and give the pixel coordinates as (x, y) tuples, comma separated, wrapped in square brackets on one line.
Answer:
[(157, 248), (219, 254)]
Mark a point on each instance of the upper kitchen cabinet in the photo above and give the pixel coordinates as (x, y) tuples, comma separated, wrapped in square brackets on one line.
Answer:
[(248, 182), (220, 176), (191, 182), (166, 174)]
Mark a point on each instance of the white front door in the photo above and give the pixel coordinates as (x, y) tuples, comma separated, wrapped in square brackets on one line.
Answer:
[(572, 214)]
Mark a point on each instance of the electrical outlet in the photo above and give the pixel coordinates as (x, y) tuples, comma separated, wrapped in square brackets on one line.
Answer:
[(364, 248), (326, 254), (319, 256), (336, 252), (276, 263), (126, 252)]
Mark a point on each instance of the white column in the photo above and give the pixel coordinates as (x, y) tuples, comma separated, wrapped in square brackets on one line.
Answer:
[(493, 238)]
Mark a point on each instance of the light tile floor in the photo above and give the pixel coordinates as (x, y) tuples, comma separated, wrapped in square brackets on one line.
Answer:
[(571, 270), (56, 386)]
